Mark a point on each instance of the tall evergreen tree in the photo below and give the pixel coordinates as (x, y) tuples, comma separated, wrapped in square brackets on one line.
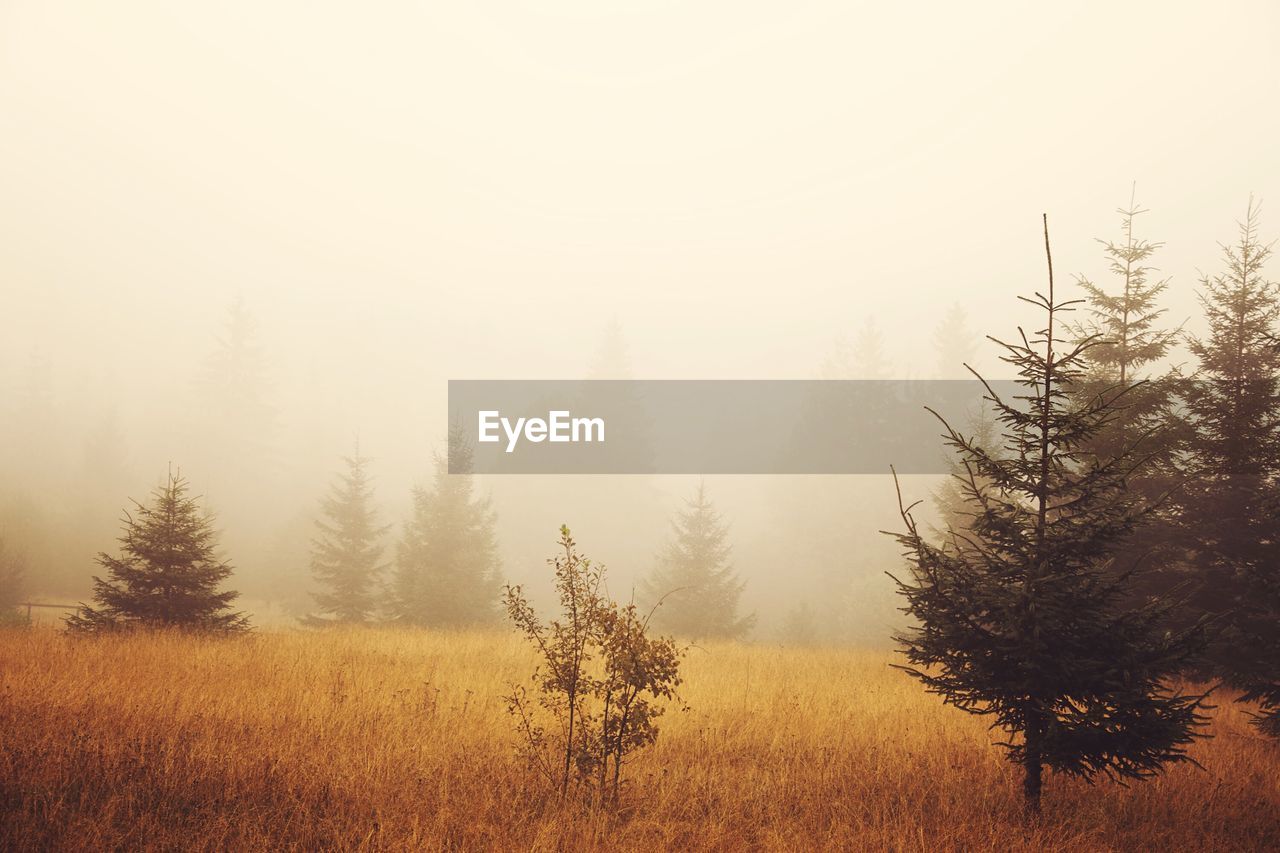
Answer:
[(168, 574), (951, 498), (345, 557), (800, 626), (694, 588), (1230, 508), (447, 571), (1128, 344), (234, 377), (236, 420), (955, 344), (1022, 620)]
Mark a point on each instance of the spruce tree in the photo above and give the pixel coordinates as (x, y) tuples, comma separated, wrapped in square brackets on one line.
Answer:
[(1230, 508), (800, 626), (951, 498), (694, 588), (1020, 618), (1128, 344), (345, 557), (236, 420), (954, 343), (168, 574), (1128, 341), (447, 571)]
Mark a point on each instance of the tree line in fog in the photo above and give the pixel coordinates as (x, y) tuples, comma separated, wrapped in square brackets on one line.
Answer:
[(1112, 526)]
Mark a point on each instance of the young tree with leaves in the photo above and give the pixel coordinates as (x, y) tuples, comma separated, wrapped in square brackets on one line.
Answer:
[(599, 681), (1230, 508), (694, 589), (447, 571), (1022, 619), (346, 556), (168, 575)]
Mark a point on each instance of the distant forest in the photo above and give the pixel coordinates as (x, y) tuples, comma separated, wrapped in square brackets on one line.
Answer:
[(1191, 451)]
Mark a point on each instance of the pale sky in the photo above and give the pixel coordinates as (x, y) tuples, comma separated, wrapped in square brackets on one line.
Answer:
[(736, 182)]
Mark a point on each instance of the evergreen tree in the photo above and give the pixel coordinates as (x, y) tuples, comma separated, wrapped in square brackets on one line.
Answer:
[(233, 439), (1022, 619), (1128, 343), (447, 572), (1230, 508), (955, 344), (168, 574), (345, 557), (955, 347), (694, 588), (236, 419), (234, 377), (951, 497), (800, 627)]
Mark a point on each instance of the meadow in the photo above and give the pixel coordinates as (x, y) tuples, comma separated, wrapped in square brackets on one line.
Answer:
[(399, 739)]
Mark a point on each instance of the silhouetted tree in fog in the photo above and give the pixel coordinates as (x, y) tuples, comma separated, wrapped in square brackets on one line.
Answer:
[(345, 557), (955, 344), (800, 626), (1230, 507), (447, 570), (1022, 620), (1128, 342), (694, 588), (234, 389), (168, 574), (951, 498)]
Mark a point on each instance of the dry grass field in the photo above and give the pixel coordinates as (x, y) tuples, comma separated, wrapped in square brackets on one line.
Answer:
[(399, 740)]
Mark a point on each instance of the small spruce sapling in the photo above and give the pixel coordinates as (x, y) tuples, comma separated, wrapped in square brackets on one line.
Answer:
[(168, 575)]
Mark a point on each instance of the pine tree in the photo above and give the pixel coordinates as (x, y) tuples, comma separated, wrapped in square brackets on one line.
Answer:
[(955, 344), (1230, 508), (447, 572), (168, 574), (237, 419), (1128, 343), (951, 497), (800, 626), (345, 557), (1022, 619), (234, 376), (694, 588)]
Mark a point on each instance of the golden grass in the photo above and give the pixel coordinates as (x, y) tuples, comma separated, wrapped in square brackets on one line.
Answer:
[(399, 739)]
